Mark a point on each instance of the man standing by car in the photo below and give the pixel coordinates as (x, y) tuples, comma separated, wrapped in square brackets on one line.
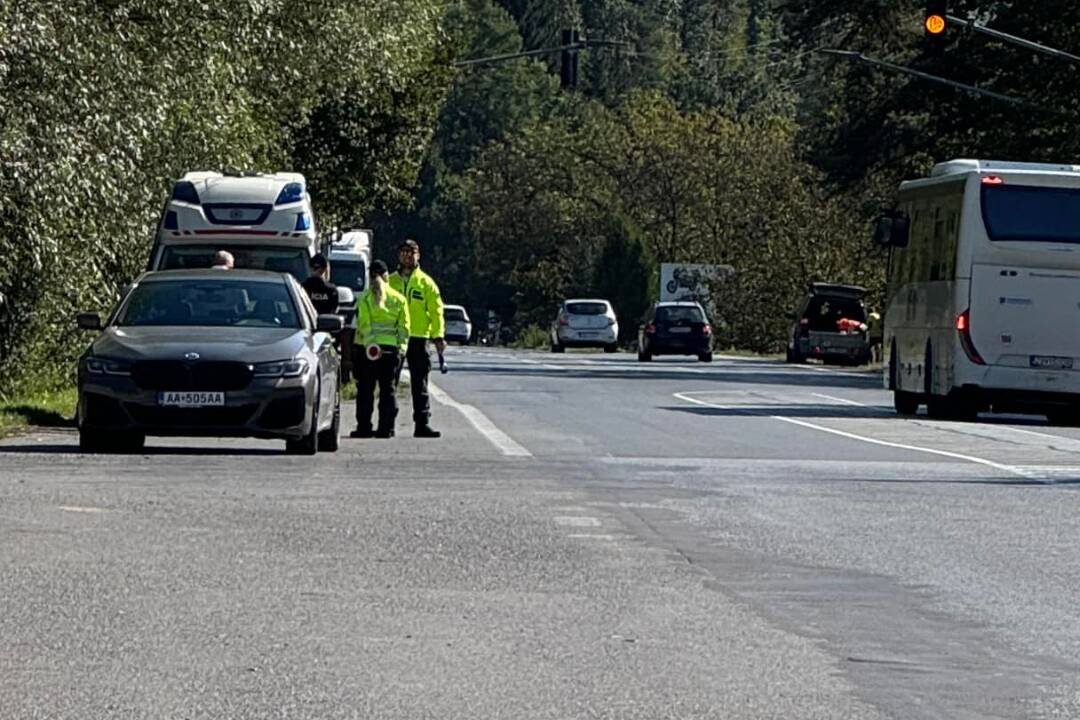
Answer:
[(322, 292), (426, 323)]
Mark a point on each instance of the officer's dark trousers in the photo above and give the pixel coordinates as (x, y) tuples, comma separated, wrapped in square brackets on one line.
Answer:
[(368, 374), (419, 367)]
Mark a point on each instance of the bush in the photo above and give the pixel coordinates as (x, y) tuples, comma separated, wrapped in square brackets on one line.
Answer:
[(533, 337)]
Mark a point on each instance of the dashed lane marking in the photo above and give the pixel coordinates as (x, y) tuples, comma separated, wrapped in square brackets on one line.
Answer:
[(576, 521), (503, 442), (1011, 469)]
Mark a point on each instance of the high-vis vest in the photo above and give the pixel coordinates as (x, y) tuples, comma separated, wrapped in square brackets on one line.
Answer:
[(425, 303), (387, 326)]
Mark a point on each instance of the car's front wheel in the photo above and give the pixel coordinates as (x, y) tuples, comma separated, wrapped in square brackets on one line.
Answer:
[(330, 439), (309, 444)]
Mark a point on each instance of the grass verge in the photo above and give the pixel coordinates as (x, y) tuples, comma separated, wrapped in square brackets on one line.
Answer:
[(47, 408)]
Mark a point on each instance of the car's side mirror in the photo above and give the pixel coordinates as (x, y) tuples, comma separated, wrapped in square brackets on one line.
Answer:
[(329, 323), (89, 321), (345, 296), (892, 230)]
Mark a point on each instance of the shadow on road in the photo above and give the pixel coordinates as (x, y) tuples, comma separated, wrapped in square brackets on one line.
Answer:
[(779, 376), (58, 449), (791, 411)]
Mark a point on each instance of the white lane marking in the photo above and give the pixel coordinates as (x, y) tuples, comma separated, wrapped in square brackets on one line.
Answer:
[(1012, 469), (585, 536), (503, 442), (843, 401), (80, 509), (576, 521), (1061, 440), (546, 366)]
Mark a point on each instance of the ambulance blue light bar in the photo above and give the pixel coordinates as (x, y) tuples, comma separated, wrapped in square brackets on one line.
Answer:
[(292, 192)]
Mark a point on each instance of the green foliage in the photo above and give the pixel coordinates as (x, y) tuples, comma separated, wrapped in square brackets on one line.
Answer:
[(533, 337), (102, 102), (597, 201)]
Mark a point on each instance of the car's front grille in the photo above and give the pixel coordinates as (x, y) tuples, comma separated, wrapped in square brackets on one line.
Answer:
[(178, 375), (235, 416)]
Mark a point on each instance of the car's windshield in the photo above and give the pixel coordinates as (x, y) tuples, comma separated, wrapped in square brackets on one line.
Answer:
[(348, 273), (454, 314), (1026, 213), (586, 308), (677, 314), (214, 303), (258, 257)]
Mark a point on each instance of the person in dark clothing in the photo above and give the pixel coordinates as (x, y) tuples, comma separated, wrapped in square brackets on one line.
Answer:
[(322, 292)]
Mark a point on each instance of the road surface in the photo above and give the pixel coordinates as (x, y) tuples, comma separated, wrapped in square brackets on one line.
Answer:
[(592, 538)]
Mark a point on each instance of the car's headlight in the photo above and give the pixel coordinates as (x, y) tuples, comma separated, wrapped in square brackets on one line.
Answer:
[(106, 366), (281, 368)]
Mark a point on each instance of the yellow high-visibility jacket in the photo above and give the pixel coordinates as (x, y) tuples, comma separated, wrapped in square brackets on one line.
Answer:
[(424, 301), (387, 325)]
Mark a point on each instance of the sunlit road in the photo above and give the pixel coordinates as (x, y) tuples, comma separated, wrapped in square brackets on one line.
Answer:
[(592, 537)]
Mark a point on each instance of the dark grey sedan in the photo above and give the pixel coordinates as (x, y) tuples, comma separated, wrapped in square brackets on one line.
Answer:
[(211, 353)]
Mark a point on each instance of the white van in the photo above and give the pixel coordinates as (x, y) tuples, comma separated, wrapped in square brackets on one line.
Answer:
[(266, 221), (349, 259), (984, 290)]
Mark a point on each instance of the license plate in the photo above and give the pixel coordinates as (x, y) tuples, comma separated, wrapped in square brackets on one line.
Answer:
[(1051, 363), (191, 398), (681, 330), (587, 334)]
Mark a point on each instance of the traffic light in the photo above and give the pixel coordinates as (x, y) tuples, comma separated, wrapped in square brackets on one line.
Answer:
[(569, 68), (936, 20)]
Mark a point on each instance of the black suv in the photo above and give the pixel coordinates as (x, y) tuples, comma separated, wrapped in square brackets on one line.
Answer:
[(675, 328), (830, 324)]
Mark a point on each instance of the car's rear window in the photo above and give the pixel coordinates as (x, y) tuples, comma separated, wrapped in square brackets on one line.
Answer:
[(679, 314), (586, 308), (454, 314)]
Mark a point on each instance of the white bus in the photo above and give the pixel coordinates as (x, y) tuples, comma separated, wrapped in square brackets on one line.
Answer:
[(983, 298)]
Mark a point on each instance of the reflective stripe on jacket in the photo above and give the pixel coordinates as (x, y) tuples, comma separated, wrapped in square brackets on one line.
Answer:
[(425, 303), (387, 325)]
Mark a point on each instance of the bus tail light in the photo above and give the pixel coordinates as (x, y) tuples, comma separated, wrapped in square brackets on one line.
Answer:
[(963, 328)]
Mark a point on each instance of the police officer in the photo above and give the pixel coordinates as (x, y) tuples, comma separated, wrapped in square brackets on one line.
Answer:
[(382, 334), (426, 322), (322, 292)]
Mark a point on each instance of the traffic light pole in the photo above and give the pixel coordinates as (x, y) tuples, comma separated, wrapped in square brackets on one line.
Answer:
[(1013, 39)]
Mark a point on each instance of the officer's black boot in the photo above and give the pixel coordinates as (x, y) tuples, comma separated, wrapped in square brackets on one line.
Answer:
[(384, 433), (362, 434), (423, 430)]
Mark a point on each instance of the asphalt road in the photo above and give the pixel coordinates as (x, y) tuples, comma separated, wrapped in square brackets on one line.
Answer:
[(591, 538)]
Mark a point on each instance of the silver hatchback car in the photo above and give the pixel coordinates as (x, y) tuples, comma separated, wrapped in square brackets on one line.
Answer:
[(585, 323)]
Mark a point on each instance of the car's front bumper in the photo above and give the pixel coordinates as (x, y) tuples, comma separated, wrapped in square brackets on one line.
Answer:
[(267, 408)]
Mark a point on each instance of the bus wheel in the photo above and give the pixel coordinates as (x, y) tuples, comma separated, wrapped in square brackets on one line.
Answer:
[(906, 403), (1068, 416)]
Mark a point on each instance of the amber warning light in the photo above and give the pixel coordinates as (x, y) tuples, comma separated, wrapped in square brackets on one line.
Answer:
[(935, 24)]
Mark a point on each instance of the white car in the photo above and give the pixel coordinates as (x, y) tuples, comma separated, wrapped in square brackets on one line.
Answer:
[(265, 221), (458, 325), (585, 323)]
